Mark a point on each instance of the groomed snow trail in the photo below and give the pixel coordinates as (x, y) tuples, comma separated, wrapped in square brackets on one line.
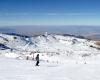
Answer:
[(12, 69)]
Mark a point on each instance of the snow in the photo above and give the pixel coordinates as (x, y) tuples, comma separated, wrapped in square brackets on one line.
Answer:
[(11, 55), (61, 58), (51, 46), (14, 69)]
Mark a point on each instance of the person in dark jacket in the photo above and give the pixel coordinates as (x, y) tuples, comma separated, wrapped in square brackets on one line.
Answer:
[(37, 60)]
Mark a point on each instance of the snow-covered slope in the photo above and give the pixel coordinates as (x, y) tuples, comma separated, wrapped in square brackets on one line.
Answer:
[(12, 69), (62, 58), (51, 47)]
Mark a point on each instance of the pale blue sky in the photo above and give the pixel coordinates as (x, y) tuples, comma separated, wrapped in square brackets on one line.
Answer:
[(49, 12)]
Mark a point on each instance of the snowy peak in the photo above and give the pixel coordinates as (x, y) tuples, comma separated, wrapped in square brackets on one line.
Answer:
[(47, 45)]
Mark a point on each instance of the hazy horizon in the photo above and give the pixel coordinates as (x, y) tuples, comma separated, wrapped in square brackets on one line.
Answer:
[(65, 29)]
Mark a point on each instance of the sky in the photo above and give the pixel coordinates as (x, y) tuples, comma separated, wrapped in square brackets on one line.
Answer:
[(49, 12)]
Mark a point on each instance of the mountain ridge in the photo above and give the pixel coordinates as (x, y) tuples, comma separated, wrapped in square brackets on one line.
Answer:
[(49, 46)]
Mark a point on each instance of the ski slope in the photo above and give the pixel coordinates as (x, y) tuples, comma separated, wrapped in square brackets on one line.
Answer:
[(13, 69)]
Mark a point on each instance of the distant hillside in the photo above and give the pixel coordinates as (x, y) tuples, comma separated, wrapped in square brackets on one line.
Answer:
[(34, 30), (93, 36), (7, 30)]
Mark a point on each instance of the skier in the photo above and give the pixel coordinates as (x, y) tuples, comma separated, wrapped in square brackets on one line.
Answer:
[(37, 60)]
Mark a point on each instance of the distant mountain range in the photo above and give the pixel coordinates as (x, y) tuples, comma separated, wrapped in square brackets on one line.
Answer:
[(91, 32), (93, 36), (7, 30)]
